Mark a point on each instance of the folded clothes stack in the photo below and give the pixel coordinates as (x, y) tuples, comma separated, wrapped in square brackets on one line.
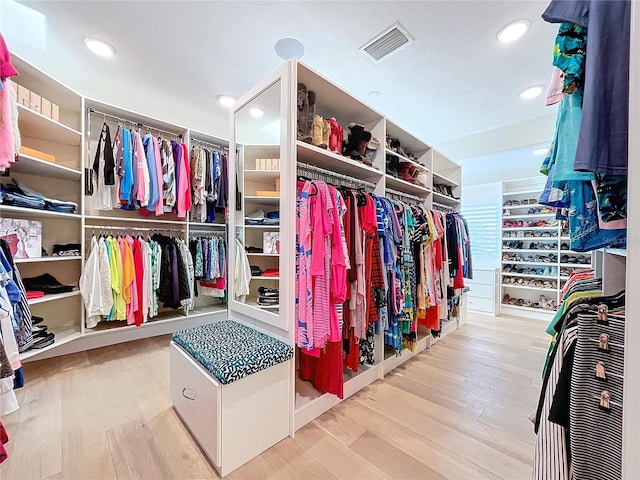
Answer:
[(256, 271), (66, 250), (259, 218), (252, 249), (268, 296), (45, 283), (271, 272), (19, 195)]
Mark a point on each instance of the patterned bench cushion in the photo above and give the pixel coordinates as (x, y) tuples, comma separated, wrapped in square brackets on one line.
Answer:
[(231, 351)]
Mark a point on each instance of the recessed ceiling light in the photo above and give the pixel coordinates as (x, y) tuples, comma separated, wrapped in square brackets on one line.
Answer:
[(99, 47), (287, 48), (531, 92), (374, 94), (541, 151), (256, 112), (513, 31), (226, 100)]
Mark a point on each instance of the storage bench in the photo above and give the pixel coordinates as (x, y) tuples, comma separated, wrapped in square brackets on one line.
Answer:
[(230, 385)]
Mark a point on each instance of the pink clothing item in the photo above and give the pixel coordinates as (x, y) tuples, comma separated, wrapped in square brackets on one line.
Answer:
[(6, 67), (183, 185), (303, 286), (7, 154), (555, 87), (156, 153), (140, 161), (188, 203)]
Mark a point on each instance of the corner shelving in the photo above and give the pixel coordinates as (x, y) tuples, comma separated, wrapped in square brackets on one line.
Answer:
[(34, 166), (36, 125)]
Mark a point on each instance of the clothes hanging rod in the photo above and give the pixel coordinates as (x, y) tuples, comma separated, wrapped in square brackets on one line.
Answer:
[(202, 143), (403, 195), (313, 169), (133, 229), (444, 208), (207, 233), (132, 122)]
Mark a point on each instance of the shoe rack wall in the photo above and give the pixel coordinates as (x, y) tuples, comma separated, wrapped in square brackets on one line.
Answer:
[(536, 259)]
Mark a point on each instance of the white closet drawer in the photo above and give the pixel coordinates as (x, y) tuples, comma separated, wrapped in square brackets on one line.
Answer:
[(482, 291), (482, 276), (196, 397), (479, 304)]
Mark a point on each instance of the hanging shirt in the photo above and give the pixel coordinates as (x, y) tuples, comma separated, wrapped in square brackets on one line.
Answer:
[(154, 185), (126, 183), (168, 176)]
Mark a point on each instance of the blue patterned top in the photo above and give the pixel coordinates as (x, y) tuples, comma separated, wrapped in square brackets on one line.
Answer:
[(231, 351)]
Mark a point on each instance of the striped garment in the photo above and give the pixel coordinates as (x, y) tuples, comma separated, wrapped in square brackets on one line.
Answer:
[(551, 460), (596, 433)]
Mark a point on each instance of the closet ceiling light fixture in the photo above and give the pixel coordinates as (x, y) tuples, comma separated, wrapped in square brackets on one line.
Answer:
[(531, 92), (256, 112), (226, 100), (99, 47), (513, 31), (541, 151)]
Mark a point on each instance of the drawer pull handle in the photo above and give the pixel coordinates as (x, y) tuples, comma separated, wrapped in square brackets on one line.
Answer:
[(188, 390)]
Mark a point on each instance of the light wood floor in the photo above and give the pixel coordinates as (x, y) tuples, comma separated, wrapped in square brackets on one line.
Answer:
[(457, 411)]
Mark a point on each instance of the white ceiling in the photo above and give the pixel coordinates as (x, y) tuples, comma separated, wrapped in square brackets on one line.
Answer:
[(173, 58)]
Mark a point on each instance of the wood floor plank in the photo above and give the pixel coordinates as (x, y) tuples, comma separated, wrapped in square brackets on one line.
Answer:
[(391, 460), (456, 411), (135, 453), (85, 451), (342, 462), (443, 460)]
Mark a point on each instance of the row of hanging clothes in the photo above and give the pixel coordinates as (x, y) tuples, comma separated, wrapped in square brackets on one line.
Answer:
[(367, 264), (209, 182), (136, 171), (209, 253), (586, 165), (131, 278), (578, 421)]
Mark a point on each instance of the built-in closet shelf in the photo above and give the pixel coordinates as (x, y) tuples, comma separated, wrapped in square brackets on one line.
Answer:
[(530, 275), (622, 252), (35, 213), (535, 192), (335, 162), (35, 125), (63, 335), (137, 219), (404, 186), (105, 327), (254, 303), (412, 162), (535, 239), (440, 198), (524, 262), (441, 179), (261, 175), (528, 250), (528, 309), (47, 259), (575, 254), (262, 200), (249, 254), (530, 215), (264, 227), (527, 287), (565, 238), (262, 277), (204, 224), (206, 310), (516, 229), (577, 265), (53, 297), (530, 205), (447, 328), (34, 166)]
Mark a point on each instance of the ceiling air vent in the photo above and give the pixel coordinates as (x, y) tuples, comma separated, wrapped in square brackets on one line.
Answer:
[(389, 41)]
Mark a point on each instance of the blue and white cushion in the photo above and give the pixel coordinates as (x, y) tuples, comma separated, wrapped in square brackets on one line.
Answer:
[(231, 351)]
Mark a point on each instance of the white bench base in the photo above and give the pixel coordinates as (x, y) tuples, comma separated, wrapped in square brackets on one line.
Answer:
[(232, 423)]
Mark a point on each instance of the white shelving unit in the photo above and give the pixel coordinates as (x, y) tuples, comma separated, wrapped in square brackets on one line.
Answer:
[(548, 247), (276, 96)]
